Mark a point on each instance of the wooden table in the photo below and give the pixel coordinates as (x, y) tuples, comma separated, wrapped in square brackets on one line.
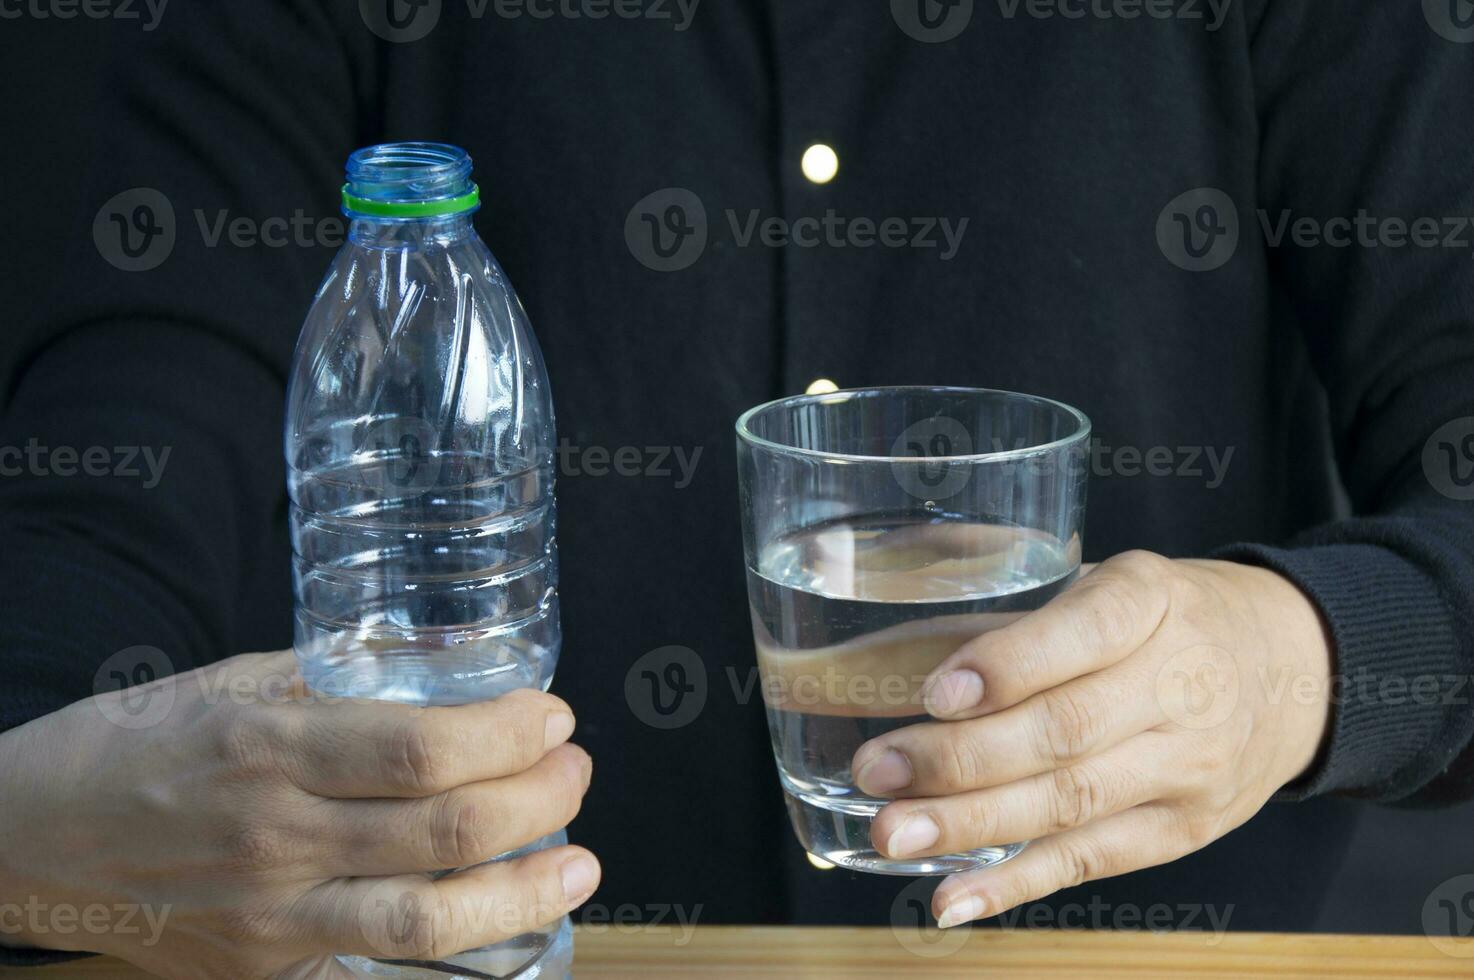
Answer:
[(627, 953)]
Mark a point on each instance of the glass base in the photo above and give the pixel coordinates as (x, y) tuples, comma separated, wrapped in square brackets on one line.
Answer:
[(525, 958), (841, 836)]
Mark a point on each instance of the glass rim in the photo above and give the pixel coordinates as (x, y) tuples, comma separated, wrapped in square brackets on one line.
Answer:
[(745, 433)]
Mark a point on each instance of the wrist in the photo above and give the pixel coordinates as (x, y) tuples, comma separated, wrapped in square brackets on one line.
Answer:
[(1298, 652)]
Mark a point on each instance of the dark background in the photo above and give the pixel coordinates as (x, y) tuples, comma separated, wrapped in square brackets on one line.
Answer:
[(47, 115)]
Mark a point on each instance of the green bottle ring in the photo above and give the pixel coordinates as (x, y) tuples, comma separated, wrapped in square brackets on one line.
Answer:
[(468, 201)]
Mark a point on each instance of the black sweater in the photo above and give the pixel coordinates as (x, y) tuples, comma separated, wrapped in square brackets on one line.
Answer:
[(1237, 380)]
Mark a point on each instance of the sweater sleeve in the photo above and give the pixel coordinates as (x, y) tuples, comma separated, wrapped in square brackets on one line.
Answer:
[(1379, 279), (141, 467), (143, 420)]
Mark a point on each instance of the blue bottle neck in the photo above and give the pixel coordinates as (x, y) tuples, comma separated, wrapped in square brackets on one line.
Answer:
[(397, 233), (409, 195)]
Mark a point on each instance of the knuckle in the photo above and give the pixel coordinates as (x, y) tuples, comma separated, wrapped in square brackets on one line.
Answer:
[(244, 741), (959, 763), (1210, 770), (1112, 615), (1071, 725), (1016, 890), (255, 847), (1200, 816), (464, 832), (475, 838), (524, 900), (1195, 600), (983, 823), (413, 921), (1198, 829), (1082, 860), (446, 933), (525, 730), (1014, 669), (1206, 763), (1139, 564), (430, 933), (517, 728), (544, 900), (1078, 797), (523, 738), (412, 758)]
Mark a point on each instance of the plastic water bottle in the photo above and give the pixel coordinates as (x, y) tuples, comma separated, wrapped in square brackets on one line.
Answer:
[(420, 447)]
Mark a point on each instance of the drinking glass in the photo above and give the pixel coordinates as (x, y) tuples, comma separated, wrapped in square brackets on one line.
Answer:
[(883, 528)]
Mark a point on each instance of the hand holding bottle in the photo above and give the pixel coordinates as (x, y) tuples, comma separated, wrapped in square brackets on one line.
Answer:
[(256, 828)]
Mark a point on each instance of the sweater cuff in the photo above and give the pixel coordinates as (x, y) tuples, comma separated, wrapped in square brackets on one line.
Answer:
[(1396, 667)]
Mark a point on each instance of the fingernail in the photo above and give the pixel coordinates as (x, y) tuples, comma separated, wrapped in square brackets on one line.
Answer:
[(916, 833), (964, 909), (886, 773), (580, 875), (559, 727), (954, 692)]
